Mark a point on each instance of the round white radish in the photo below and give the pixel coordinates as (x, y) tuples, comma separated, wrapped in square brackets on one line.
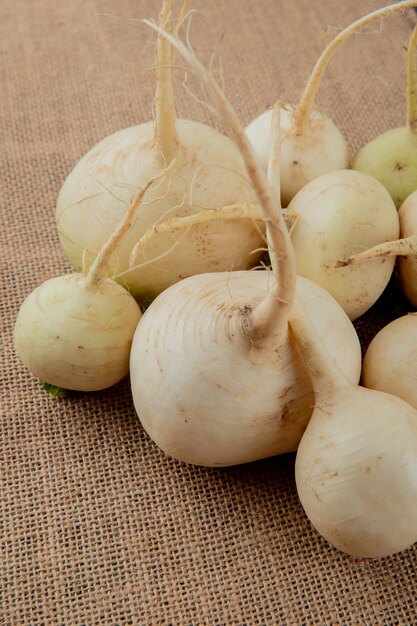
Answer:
[(77, 335), (208, 394), (390, 362), (76, 331), (356, 465), (334, 216), (319, 148)]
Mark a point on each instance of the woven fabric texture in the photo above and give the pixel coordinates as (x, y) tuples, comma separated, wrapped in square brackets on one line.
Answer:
[(97, 525)]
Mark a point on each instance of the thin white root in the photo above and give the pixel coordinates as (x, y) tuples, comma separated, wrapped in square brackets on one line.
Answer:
[(231, 212), (270, 312), (306, 104), (399, 247)]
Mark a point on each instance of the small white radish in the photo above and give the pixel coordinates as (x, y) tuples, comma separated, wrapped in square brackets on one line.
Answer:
[(390, 362), (311, 143), (216, 377), (405, 249), (335, 215), (356, 464), (392, 156), (204, 171), (308, 149), (75, 331)]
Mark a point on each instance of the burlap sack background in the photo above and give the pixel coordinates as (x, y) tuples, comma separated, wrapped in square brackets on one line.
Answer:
[(97, 526)]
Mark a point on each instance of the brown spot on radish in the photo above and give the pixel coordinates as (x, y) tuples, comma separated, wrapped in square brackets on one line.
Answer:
[(399, 167)]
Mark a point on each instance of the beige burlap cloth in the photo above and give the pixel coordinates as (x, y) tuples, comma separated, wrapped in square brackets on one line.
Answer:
[(97, 526)]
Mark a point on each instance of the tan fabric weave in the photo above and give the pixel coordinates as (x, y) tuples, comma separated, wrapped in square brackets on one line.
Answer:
[(97, 526)]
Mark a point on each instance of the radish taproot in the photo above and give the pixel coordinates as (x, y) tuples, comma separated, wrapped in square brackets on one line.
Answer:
[(216, 376), (356, 464), (311, 143), (392, 156), (206, 172), (75, 331)]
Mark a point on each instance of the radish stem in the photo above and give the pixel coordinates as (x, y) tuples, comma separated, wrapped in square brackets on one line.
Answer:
[(99, 268), (166, 138), (399, 247), (324, 371), (274, 310), (306, 104)]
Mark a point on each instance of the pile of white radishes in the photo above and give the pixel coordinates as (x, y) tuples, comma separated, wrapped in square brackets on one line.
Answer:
[(234, 361)]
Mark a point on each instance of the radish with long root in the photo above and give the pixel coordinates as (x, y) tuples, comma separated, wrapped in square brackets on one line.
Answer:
[(75, 331), (311, 143), (216, 376), (356, 464), (404, 250), (392, 156), (206, 171)]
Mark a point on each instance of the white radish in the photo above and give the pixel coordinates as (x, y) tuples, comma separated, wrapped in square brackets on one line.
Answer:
[(205, 171), (390, 362), (356, 464), (311, 143), (336, 215), (308, 149), (75, 331), (392, 156), (404, 249), (216, 377)]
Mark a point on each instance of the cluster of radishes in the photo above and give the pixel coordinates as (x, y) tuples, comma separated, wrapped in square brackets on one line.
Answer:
[(229, 365)]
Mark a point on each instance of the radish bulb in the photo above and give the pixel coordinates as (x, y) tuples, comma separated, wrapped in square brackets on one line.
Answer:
[(333, 216), (205, 171), (75, 331), (405, 249), (356, 465), (309, 147), (390, 362), (216, 376), (392, 156), (311, 143)]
